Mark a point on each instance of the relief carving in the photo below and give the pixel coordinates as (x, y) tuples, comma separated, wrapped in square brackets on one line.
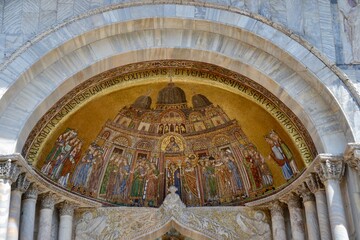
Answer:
[(135, 223)]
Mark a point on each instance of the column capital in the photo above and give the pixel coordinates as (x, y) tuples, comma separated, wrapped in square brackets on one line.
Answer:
[(292, 200), (352, 156), (276, 208), (9, 171), (330, 167), (48, 201), (66, 208), (21, 184), (305, 193), (32, 192), (314, 183)]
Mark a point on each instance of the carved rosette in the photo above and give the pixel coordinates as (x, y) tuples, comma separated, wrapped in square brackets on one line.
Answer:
[(277, 209), (352, 156), (314, 183), (66, 208), (21, 184), (9, 171), (32, 192), (305, 193), (48, 201), (331, 168)]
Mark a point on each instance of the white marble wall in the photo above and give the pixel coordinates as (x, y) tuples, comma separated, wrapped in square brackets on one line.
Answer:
[(22, 19), (284, 66)]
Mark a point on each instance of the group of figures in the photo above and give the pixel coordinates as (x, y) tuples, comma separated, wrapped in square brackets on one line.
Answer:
[(65, 165), (282, 155), (220, 178), (228, 175)]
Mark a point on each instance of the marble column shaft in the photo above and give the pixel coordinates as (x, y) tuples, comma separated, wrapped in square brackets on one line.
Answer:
[(336, 210), (296, 218), (9, 172), (330, 171), (66, 221), (27, 220), (46, 213), (323, 215), (18, 188), (311, 216), (278, 221)]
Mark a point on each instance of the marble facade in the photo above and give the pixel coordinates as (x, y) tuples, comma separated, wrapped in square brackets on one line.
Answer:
[(305, 53)]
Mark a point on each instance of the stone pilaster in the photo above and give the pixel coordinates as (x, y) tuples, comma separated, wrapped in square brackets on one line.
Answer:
[(277, 221), (66, 220), (9, 172), (317, 188), (296, 217), (27, 220), (330, 171), (46, 213), (18, 188), (310, 212)]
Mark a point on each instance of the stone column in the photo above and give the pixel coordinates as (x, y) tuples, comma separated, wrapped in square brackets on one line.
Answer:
[(330, 171), (317, 188), (9, 172), (46, 213), (27, 220), (277, 221), (352, 158), (310, 212), (296, 218), (66, 220), (18, 188)]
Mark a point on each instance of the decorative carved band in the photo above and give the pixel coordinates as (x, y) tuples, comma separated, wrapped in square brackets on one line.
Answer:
[(9, 170), (32, 192), (66, 208), (21, 184), (48, 201), (331, 168)]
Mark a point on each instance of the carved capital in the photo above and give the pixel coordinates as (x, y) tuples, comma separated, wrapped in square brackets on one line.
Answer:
[(292, 200), (276, 209), (21, 184), (331, 168), (352, 156), (48, 201), (32, 192), (66, 208), (9, 171), (305, 193), (314, 183)]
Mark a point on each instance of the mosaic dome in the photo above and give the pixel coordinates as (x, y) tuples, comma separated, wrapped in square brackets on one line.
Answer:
[(171, 94)]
